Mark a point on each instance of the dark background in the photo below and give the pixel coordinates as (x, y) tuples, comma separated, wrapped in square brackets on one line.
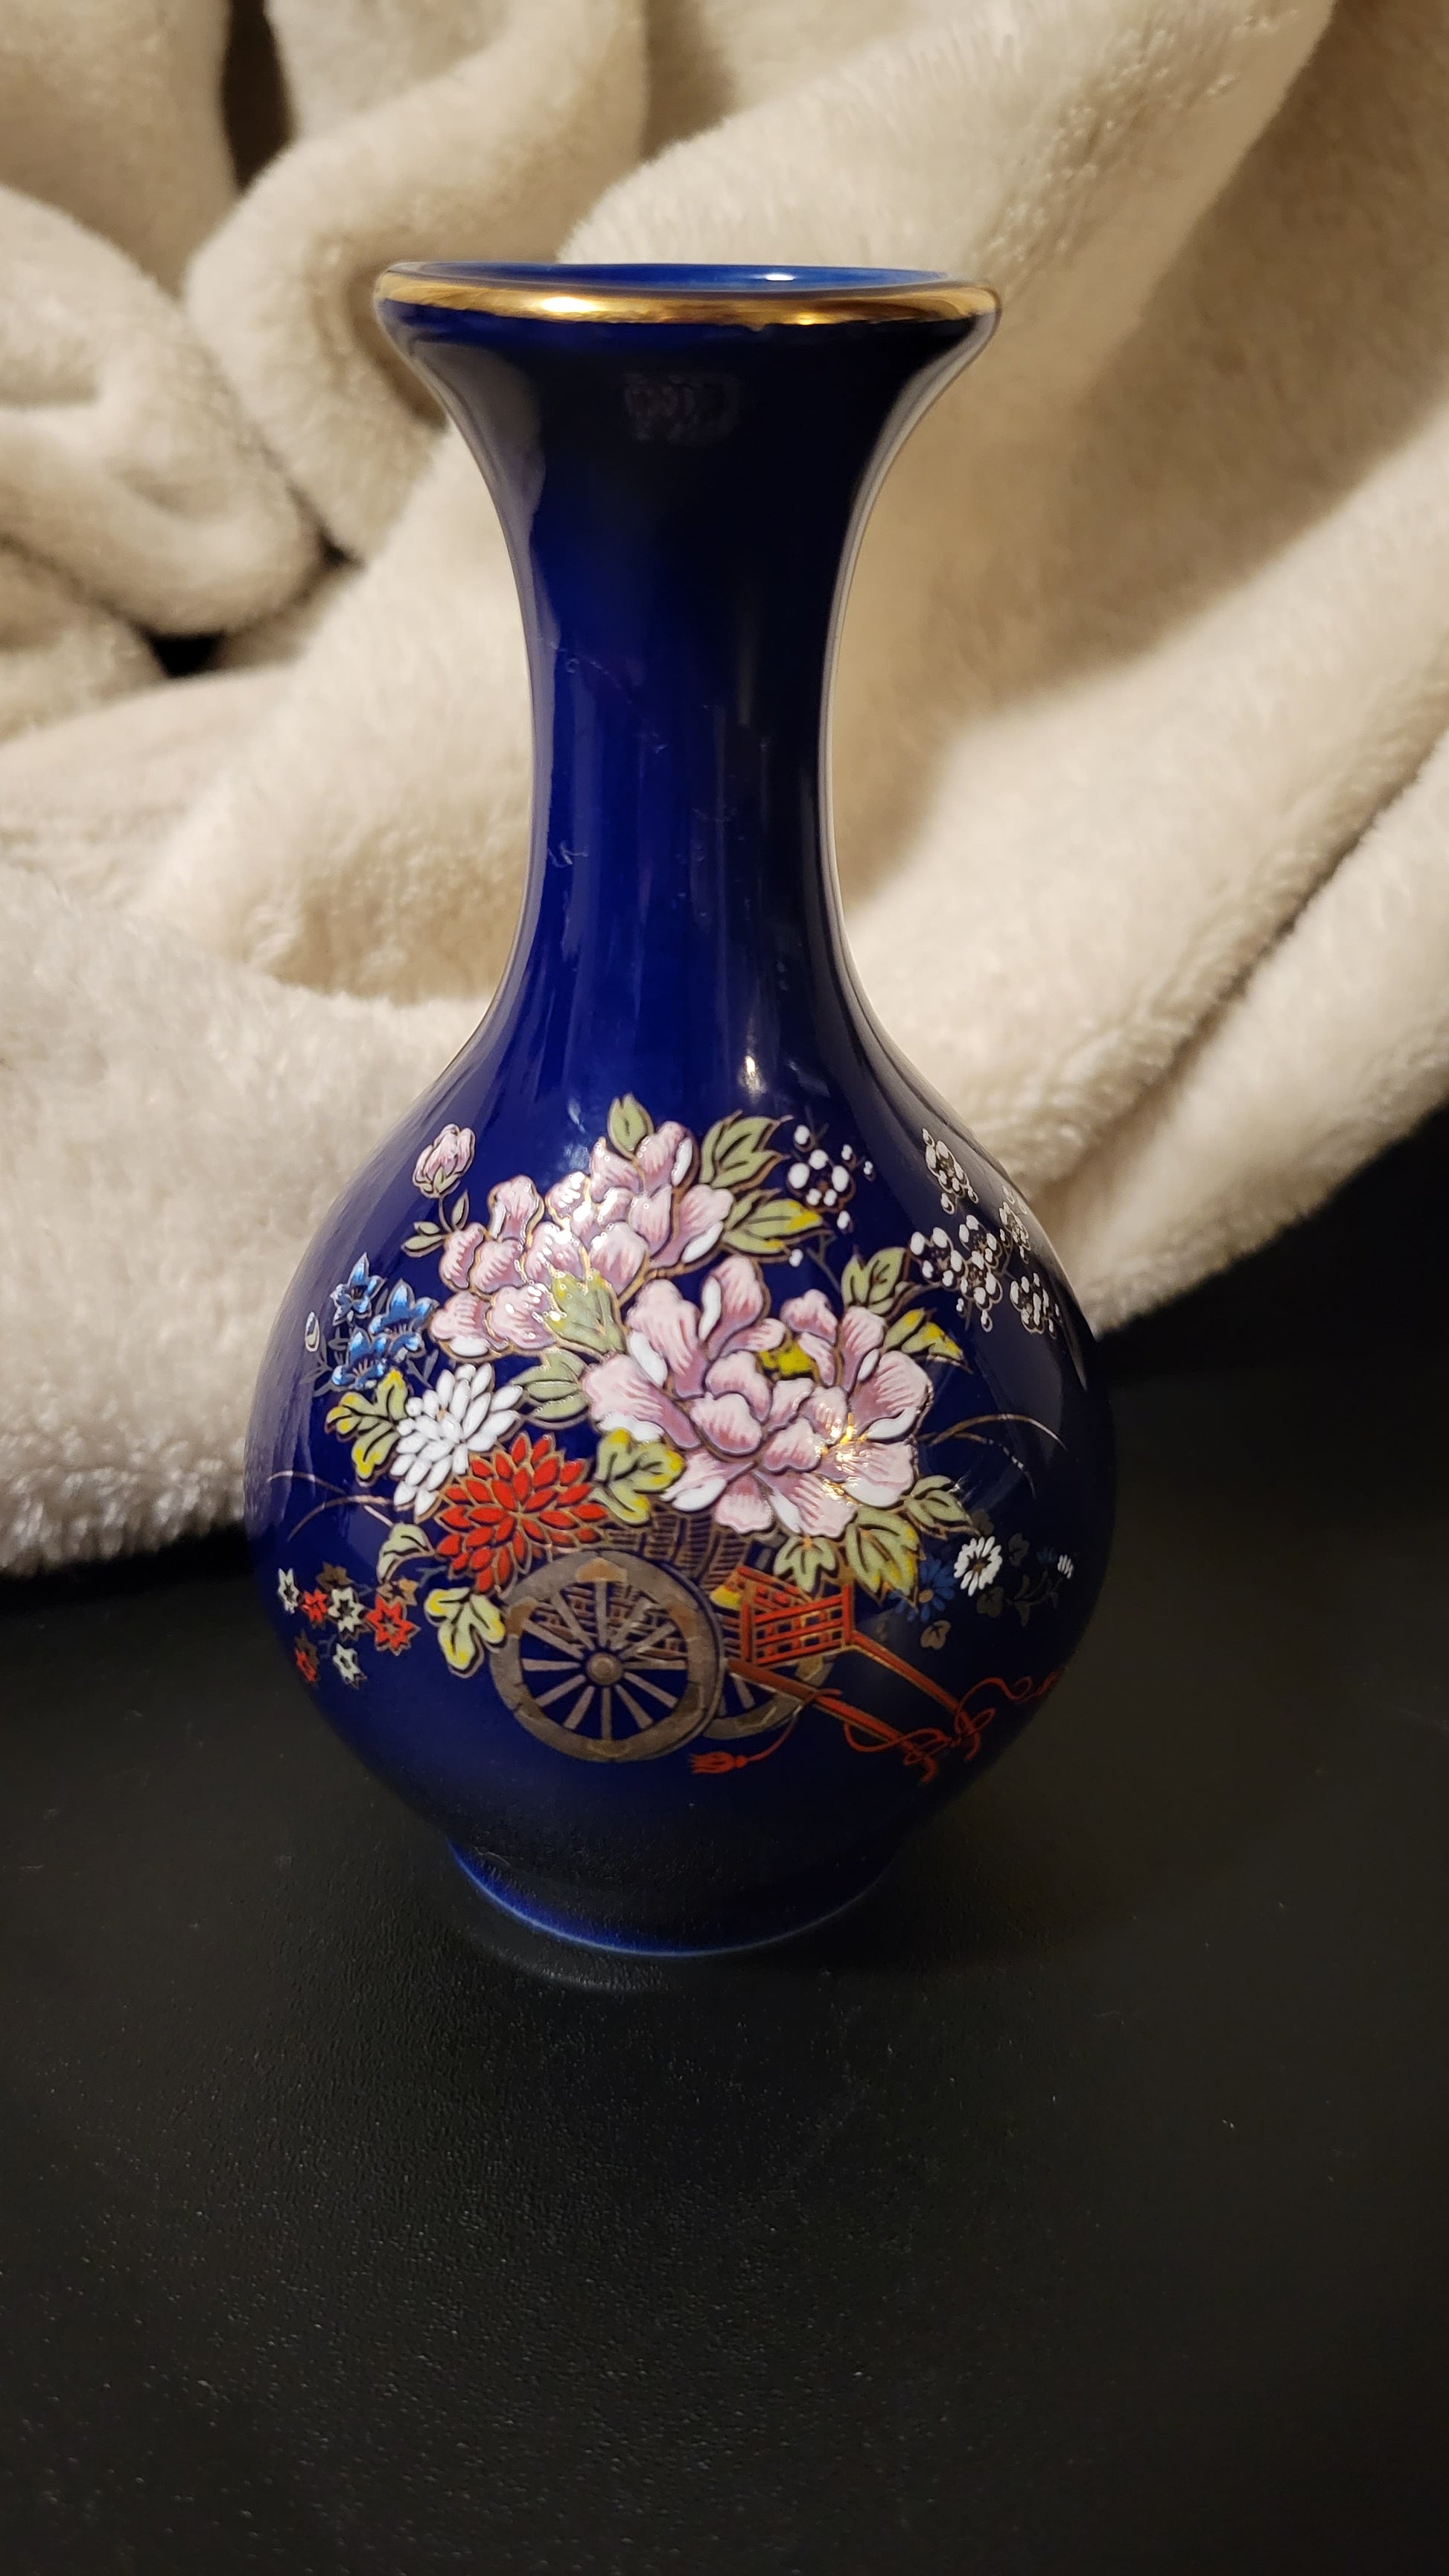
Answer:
[(1079, 2204)]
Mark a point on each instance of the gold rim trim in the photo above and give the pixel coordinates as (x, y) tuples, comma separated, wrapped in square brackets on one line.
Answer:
[(755, 308)]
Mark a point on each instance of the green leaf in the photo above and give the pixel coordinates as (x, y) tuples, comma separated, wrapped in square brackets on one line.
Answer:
[(873, 1283), (630, 1472), (802, 1559), (424, 1238), (403, 1540), (934, 1504), (584, 1315), (628, 1124), (737, 1151), (466, 1623), (370, 1422), (552, 1388), (920, 1338), (457, 1214), (764, 1226), (881, 1550)]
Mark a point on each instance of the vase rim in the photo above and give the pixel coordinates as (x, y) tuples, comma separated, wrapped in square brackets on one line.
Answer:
[(753, 298)]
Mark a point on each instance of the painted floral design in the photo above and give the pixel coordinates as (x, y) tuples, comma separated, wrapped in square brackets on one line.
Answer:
[(978, 1564), (628, 1306), (441, 1165), (381, 1327), (948, 1172), (758, 1448), (508, 1509), (464, 1411), (628, 1211)]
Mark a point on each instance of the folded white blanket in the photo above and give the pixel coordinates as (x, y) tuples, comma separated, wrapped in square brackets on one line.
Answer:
[(1141, 796)]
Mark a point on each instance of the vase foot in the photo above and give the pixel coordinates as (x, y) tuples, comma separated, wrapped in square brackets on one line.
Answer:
[(755, 1922)]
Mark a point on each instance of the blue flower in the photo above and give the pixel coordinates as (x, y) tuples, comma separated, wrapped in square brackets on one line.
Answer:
[(353, 1300), (935, 1586), (376, 1342)]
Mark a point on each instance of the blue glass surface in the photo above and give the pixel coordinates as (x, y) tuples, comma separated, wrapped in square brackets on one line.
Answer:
[(681, 500)]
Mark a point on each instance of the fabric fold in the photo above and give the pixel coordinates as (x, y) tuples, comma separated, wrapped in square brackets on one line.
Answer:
[(496, 156)]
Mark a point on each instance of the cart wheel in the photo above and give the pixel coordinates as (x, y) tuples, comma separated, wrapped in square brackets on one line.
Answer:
[(746, 1709), (609, 1657)]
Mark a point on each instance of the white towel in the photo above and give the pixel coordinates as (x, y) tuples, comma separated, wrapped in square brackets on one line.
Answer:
[(1141, 804)]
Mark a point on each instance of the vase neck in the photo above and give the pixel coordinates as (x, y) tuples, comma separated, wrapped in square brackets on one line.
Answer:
[(680, 501)]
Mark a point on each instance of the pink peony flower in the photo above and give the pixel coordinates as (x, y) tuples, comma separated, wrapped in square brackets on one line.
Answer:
[(443, 1162), (804, 1450), (500, 1287), (626, 1212)]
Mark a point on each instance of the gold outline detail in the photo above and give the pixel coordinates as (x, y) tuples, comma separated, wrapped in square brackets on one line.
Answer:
[(945, 299)]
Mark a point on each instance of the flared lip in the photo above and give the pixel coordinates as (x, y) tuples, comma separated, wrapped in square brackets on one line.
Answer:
[(752, 298)]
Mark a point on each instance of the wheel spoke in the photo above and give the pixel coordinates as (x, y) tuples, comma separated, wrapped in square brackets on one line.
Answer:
[(606, 1715), (564, 1607), (670, 1697), (641, 1716), (581, 1707), (544, 1698), (643, 1611)]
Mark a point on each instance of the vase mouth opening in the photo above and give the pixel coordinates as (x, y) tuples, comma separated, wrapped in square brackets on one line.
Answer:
[(755, 298)]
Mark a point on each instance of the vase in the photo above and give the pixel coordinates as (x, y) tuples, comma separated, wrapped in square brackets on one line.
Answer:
[(679, 1463)]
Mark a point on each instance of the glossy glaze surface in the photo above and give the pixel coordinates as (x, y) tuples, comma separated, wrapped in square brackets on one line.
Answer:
[(678, 1462)]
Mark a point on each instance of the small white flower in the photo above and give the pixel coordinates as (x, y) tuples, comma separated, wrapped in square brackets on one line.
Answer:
[(460, 1412), (345, 1608), (312, 1334), (843, 1220), (347, 1664), (802, 1135), (287, 1592), (1066, 1567), (978, 1564), (818, 1159), (1035, 1303), (798, 1175)]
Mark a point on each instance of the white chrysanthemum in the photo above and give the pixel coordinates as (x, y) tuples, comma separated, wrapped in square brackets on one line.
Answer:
[(978, 1564), (460, 1412), (347, 1664), (287, 1592)]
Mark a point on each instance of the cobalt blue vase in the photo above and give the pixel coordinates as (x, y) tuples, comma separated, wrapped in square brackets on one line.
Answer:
[(679, 1465)]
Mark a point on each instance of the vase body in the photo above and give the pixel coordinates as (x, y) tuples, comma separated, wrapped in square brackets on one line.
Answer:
[(678, 1464)]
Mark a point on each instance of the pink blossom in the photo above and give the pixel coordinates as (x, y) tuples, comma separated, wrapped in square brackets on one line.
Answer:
[(499, 1277), (631, 1209), (443, 1162), (625, 1213), (803, 1450)]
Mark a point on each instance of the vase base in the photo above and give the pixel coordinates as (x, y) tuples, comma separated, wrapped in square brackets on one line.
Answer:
[(775, 1914)]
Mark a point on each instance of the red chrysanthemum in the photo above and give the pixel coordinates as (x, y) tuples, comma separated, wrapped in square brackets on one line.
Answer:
[(305, 1660), (391, 1627), (512, 1505), (314, 1605)]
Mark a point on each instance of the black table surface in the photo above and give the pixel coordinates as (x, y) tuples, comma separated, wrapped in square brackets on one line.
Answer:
[(1079, 2204)]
